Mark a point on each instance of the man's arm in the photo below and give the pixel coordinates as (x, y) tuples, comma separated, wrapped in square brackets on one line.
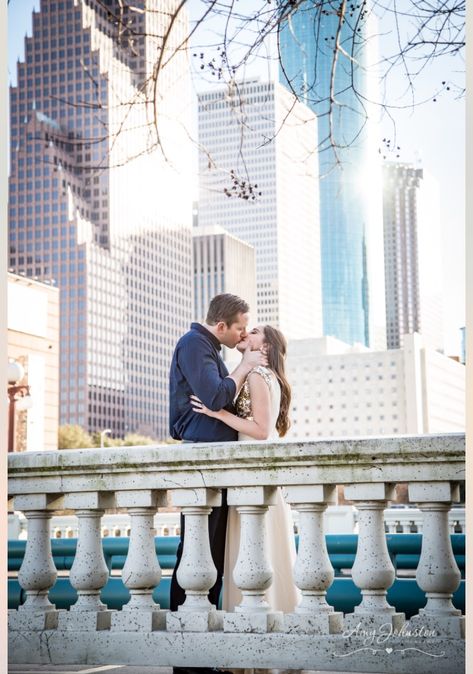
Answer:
[(259, 427), (199, 367)]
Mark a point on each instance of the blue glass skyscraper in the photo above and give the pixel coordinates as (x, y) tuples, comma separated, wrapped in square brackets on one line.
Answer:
[(338, 92)]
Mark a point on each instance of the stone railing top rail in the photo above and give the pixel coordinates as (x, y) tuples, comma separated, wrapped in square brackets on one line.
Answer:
[(425, 458)]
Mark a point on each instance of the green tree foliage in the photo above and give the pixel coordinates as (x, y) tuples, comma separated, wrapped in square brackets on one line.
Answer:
[(73, 437), (130, 440), (134, 439)]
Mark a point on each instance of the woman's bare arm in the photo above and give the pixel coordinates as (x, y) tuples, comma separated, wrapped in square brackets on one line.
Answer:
[(259, 427)]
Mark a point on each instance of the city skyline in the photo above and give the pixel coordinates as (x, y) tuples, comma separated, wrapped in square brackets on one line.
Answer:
[(345, 391), (261, 137), (420, 134), (124, 269), (325, 479), (350, 170), (407, 132)]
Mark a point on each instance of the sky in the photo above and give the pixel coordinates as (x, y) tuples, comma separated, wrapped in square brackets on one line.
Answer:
[(432, 134)]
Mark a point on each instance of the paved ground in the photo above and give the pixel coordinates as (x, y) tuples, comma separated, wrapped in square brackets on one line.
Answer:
[(112, 669), (86, 669)]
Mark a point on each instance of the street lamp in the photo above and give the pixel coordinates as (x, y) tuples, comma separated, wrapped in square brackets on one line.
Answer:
[(103, 433), (16, 393)]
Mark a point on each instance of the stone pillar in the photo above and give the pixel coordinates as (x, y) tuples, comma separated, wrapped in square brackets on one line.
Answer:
[(37, 573), (141, 572), (313, 572), (373, 571), (437, 573), (196, 573), (89, 572), (252, 573)]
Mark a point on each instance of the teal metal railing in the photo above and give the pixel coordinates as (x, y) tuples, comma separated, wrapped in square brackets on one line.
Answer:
[(343, 594)]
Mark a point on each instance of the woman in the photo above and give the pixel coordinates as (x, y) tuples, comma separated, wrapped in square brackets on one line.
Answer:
[(262, 413)]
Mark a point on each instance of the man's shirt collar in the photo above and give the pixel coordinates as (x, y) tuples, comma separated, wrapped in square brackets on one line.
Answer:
[(212, 339)]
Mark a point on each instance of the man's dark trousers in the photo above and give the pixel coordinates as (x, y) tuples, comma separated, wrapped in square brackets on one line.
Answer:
[(217, 534)]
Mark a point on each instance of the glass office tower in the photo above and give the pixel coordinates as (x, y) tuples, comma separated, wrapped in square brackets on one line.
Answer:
[(350, 179), (269, 141), (412, 255), (100, 207)]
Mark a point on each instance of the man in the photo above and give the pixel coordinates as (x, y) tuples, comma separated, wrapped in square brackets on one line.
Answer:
[(197, 368)]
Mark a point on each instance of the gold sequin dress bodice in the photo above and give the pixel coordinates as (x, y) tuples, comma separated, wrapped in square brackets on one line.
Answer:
[(243, 401)]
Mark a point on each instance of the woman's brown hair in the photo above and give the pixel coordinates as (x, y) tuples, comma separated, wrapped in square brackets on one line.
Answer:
[(276, 347)]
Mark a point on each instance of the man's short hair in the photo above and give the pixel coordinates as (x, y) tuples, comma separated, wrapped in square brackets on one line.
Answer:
[(226, 307)]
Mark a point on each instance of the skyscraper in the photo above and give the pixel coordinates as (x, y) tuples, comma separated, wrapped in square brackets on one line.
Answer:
[(222, 264), (98, 201), (258, 180), (33, 342), (344, 391), (412, 255), (340, 92)]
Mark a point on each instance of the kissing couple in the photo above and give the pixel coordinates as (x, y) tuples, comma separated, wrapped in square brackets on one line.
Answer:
[(207, 404)]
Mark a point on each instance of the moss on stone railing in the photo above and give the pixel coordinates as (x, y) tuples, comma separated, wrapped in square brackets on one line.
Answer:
[(345, 461), (314, 636)]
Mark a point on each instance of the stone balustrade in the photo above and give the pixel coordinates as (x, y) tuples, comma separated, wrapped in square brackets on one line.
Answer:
[(374, 638), (337, 520), (410, 520), (112, 524)]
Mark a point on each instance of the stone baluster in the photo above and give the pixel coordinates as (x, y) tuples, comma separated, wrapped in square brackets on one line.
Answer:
[(37, 573), (372, 571), (196, 573), (461, 520), (437, 573), (313, 572), (253, 573), (89, 571), (141, 572), (392, 526)]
